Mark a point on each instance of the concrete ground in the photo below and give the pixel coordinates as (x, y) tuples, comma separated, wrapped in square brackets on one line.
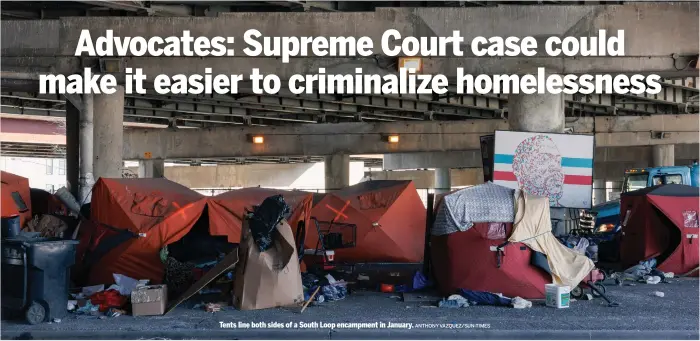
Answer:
[(641, 315)]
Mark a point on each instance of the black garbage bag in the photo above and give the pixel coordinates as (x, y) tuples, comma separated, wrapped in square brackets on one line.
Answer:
[(265, 219)]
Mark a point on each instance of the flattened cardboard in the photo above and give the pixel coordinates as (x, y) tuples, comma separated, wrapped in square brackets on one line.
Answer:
[(224, 265), (271, 278), (149, 300)]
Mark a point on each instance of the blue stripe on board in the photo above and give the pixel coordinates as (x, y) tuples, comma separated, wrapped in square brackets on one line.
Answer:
[(565, 162)]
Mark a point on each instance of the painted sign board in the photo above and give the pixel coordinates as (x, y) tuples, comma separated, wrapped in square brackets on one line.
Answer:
[(558, 166)]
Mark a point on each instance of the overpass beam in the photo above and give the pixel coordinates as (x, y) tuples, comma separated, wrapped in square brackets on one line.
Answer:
[(109, 134)]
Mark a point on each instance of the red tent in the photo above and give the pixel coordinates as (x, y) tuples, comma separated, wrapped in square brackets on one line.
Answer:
[(465, 260), (661, 222), (15, 197), (390, 219), (226, 210), (134, 219)]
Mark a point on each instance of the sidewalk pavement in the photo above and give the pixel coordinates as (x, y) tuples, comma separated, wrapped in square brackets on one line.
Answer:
[(640, 316)]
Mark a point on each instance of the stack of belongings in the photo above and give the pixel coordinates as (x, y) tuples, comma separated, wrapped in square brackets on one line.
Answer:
[(267, 272), (495, 239)]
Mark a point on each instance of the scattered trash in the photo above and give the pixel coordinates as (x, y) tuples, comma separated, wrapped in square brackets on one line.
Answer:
[(88, 308), (630, 284), (108, 299), (56, 320), (587, 297), (428, 306), (652, 279), (334, 292), (362, 278), (330, 279), (454, 301), (521, 303), (658, 294), (125, 284), (72, 305), (114, 312), (212, 307), (668, 274), (408, 307), (484, 298), (394, 296), (386, 288), (89, 291)]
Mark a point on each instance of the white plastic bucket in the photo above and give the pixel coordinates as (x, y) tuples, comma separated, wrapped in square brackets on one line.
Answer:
[(557, 296)]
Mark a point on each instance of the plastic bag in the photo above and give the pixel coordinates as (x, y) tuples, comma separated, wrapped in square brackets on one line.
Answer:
[(265, 218)]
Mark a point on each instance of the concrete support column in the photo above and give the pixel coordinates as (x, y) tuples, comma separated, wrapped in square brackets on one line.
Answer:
[(152, 168), (599, 191), (443, 182), (614, 188), (337, 171), (73, 148), (109, 134), (86, 176), (541, 113), (663, 155)]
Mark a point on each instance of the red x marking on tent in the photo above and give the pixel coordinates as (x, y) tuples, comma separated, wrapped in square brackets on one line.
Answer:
[(339, 213)]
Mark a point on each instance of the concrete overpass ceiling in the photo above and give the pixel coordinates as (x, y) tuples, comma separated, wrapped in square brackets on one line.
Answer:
[(25, 10), (58, 151)]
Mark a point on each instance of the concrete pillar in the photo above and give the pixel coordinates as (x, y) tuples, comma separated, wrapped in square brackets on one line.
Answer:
[(613, 190), (151, 168), (541, 113), (599, 191), (86, 176), (663, 155), (443, 181), (73, 148), (108, 134), (337, 171)]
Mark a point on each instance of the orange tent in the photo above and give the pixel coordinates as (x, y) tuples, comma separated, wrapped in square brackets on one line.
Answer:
[(226, 210), (155, 212), (15, 197), (390, 219)]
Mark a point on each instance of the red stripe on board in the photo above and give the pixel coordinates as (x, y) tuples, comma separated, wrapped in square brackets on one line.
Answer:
[(578, 180), (504, 176), (568, 179)]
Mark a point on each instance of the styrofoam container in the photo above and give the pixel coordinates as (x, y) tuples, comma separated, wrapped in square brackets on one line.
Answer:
[(557, 296)]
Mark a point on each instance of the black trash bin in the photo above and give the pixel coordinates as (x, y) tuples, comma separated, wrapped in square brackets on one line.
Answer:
[(35, 275)]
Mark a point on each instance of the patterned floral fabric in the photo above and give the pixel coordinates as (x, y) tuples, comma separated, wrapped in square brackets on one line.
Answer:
[(487, 203)]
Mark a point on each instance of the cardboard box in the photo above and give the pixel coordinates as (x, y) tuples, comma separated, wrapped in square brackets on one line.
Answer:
[(149, 300), (271, 278)]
